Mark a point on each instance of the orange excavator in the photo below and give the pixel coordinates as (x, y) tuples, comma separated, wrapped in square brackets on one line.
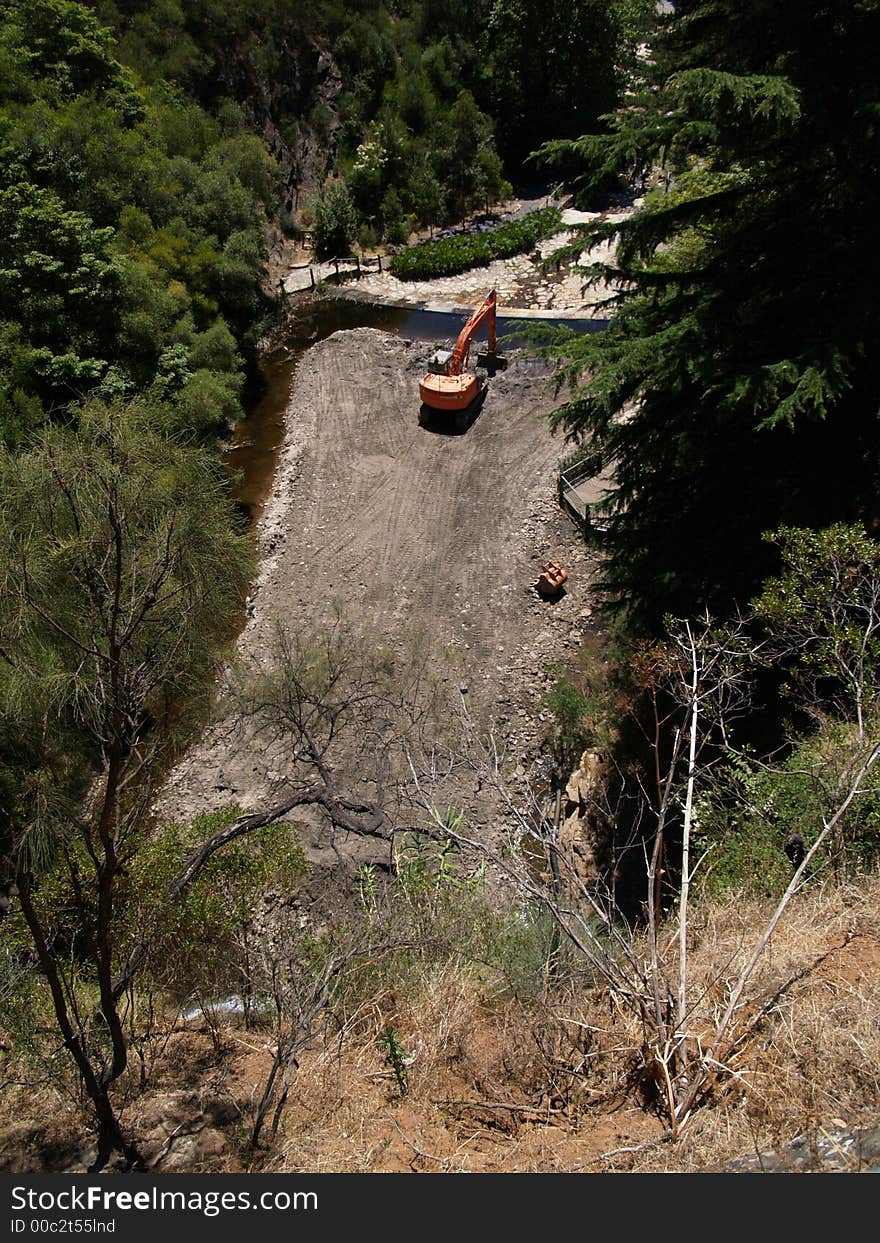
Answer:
[(448, 386)]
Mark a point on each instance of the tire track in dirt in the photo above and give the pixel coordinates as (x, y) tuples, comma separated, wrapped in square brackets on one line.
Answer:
[(404, 530)]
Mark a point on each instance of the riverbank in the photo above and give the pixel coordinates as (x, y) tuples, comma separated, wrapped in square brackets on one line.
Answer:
[(407, 533), (523, 286)]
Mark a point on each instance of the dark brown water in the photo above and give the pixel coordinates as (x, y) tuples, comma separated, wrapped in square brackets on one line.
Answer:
[(258, 438)]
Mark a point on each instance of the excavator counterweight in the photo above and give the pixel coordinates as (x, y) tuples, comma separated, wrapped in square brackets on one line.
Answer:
[(454, 388)]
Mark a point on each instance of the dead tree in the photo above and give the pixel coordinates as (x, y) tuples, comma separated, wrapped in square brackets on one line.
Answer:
[(302, 981), (705, 685)]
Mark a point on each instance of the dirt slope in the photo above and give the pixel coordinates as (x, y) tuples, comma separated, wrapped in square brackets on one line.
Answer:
[(404, 528)]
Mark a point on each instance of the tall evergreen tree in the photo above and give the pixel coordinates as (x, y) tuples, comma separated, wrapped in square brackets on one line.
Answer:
[(745, 346), (555, 65), (121, 572)]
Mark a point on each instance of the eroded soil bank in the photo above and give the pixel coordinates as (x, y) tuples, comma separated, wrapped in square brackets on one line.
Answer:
[(409, 532)]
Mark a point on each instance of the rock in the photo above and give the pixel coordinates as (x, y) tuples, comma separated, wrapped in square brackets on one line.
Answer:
[(845, 1151)]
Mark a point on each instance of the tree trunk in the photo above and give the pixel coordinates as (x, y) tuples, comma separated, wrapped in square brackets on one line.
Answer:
[(110, 1137)]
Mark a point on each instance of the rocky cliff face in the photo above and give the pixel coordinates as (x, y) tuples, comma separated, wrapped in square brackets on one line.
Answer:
[(293, 109), (298, 121), (580, 829), (289, 98)]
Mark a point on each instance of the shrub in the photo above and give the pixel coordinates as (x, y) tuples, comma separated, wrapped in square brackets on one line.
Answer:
[(447, 256), (335, 222), (754, 815)]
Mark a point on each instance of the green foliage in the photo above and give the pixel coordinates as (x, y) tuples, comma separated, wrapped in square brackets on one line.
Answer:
[(448, 255), (207, 404), (469, 166), (751, 812), (62, 45), (743, 819), (90, 647), (367, 175), (335, 222), (59, 284), (555, 66), (199, 939), (396, 1056), (744, 337), (758, 812), (436, 910), (123, 209), (824, 613), (121, 571), (195, 944), (585, 701), (571, 711)]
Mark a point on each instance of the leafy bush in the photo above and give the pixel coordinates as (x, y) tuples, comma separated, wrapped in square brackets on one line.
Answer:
[(336, 222), (447, 256), (754, 815), (572, 711), (201, 938), (437, 910)]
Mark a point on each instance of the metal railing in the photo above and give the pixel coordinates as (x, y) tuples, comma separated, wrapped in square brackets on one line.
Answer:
[(570, 494)]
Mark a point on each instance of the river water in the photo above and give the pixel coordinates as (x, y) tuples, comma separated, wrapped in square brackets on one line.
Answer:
[(259, 437)]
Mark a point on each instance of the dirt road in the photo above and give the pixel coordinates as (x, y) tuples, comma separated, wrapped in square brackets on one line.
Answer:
[(406, 529)]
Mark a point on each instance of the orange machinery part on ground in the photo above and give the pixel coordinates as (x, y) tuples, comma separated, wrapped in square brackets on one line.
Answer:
[(551, 579)]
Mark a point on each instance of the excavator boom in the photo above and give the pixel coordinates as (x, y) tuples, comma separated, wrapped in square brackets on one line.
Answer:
[(485, 311)]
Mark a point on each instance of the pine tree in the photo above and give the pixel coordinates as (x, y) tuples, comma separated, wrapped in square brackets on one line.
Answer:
[(745, 345), (121, 574)]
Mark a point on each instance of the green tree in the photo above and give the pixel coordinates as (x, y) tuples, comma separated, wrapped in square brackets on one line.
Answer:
[(121, 573), (335, 222), (468, 155), (427, 195), (744, 342), (820, 624), (130, 220), (208, 404), (367, 178), (62, 42), (557, 65), (491, 184), (59, 282), (823, 612), (366, 53)]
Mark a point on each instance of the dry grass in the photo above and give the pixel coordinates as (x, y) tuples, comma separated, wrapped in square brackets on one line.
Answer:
[(556, 1082), (551, 1085), (812, 1061)]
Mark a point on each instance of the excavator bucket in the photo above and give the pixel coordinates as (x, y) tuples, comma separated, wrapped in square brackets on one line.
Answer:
[(551, 579)]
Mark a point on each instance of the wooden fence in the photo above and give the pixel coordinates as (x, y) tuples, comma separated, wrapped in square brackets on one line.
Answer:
[(362, 266)]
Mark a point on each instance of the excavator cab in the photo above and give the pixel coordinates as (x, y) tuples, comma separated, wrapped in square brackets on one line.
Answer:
[(439, 362)]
